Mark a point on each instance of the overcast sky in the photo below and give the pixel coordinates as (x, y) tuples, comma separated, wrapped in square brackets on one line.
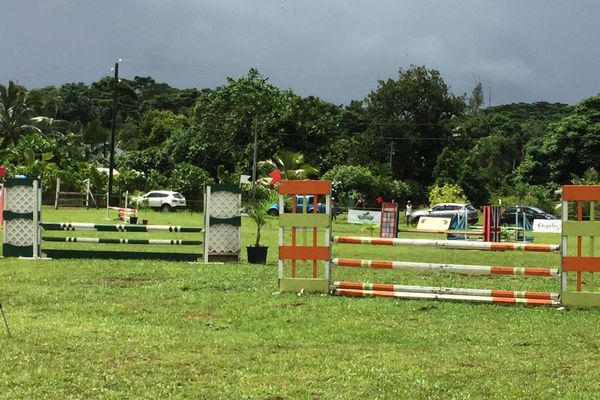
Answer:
[(521, 50)]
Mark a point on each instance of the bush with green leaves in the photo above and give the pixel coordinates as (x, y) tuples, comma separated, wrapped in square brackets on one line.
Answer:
[(189, 180), (447, 193), (349, 182), (129, 181), (531, 195)]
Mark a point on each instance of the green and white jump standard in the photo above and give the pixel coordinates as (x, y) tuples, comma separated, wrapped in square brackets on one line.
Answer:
[(23, 230), (223, 223), (22, 213)]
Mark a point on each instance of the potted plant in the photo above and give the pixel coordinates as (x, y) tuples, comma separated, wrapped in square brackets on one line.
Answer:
[(257, 211), (142, 207)]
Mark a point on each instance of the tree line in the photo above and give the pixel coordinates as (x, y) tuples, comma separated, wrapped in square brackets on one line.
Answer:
[(409, 135)]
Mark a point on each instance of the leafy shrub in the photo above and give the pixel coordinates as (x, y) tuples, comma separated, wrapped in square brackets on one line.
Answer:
[(129, 181), (523, 194), (448, 193), (189, 180), (349, 182)]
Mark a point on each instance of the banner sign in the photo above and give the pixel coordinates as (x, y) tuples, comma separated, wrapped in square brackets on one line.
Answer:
[(364, 216), (547, 225), (389, 220)]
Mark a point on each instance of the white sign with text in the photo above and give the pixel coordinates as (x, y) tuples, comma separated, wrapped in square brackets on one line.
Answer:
[(547, 225)]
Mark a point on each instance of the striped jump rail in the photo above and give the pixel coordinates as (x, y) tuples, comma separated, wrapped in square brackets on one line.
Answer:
[(84, 226), (174, 242), (440, 267), (385, 287), (446, 297), (444, 232), (120, 255), (448, 244)]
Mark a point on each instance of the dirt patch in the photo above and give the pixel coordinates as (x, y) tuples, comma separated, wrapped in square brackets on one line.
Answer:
[(124, 281)]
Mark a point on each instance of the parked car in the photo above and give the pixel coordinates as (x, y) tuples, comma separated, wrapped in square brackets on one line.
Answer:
[(165, 200), (531, 213), (274, 208), (446, 210)]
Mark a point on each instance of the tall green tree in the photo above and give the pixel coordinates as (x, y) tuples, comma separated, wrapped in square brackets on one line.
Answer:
[(153, 129), (225, 120), (413, 112), (571, 147), (486, 149), (77, 103), (476, 100)]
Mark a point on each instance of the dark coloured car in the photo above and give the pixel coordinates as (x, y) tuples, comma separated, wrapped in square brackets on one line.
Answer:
[(509, 216), (446, 210)]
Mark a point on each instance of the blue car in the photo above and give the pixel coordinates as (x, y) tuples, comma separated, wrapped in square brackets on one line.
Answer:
[(274, 208)]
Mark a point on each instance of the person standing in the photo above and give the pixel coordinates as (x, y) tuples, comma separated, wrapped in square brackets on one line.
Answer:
[(334, 208), (408, 211), (360, 203)]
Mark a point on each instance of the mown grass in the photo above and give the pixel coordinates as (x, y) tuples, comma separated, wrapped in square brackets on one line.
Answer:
[(150, 330)]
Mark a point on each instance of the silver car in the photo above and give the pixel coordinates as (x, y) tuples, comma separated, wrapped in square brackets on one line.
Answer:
[(446, 210)]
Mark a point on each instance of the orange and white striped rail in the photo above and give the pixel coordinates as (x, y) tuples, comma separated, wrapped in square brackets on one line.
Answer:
[(447, 297), (448, 244), (441, 267), (386, 287)]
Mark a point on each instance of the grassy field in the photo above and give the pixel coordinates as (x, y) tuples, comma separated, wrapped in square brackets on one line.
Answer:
[(152, 330)]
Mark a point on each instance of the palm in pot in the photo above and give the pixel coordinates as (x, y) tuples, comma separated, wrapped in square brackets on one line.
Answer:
[(257, 211)]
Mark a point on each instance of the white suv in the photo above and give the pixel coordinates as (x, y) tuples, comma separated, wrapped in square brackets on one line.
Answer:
[(446, 210), (164, 200)]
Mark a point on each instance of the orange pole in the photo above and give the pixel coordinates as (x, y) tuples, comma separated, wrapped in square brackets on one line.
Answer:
[(579, 239), (315, 210), (293, 236)]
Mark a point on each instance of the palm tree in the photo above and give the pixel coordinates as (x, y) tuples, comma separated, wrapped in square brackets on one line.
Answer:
[(291, 164), (15, 115), (590, 177)]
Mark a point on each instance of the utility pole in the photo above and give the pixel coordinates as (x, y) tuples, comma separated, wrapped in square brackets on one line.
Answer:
[(111, 162), (254, 157), (392, 156)]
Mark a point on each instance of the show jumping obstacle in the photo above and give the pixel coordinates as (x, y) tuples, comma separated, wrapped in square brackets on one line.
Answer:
[(569, 296), (124, 214), (424, 292), (489, 233), (73, 253), (23, 236)]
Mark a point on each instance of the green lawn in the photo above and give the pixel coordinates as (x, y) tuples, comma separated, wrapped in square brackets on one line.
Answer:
[(153, 330)]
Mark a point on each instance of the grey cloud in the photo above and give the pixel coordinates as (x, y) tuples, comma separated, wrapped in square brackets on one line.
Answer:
[(338, 49)]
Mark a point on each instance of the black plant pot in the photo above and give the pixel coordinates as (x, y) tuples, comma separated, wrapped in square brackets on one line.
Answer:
[(133, 220), (257, 254)]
